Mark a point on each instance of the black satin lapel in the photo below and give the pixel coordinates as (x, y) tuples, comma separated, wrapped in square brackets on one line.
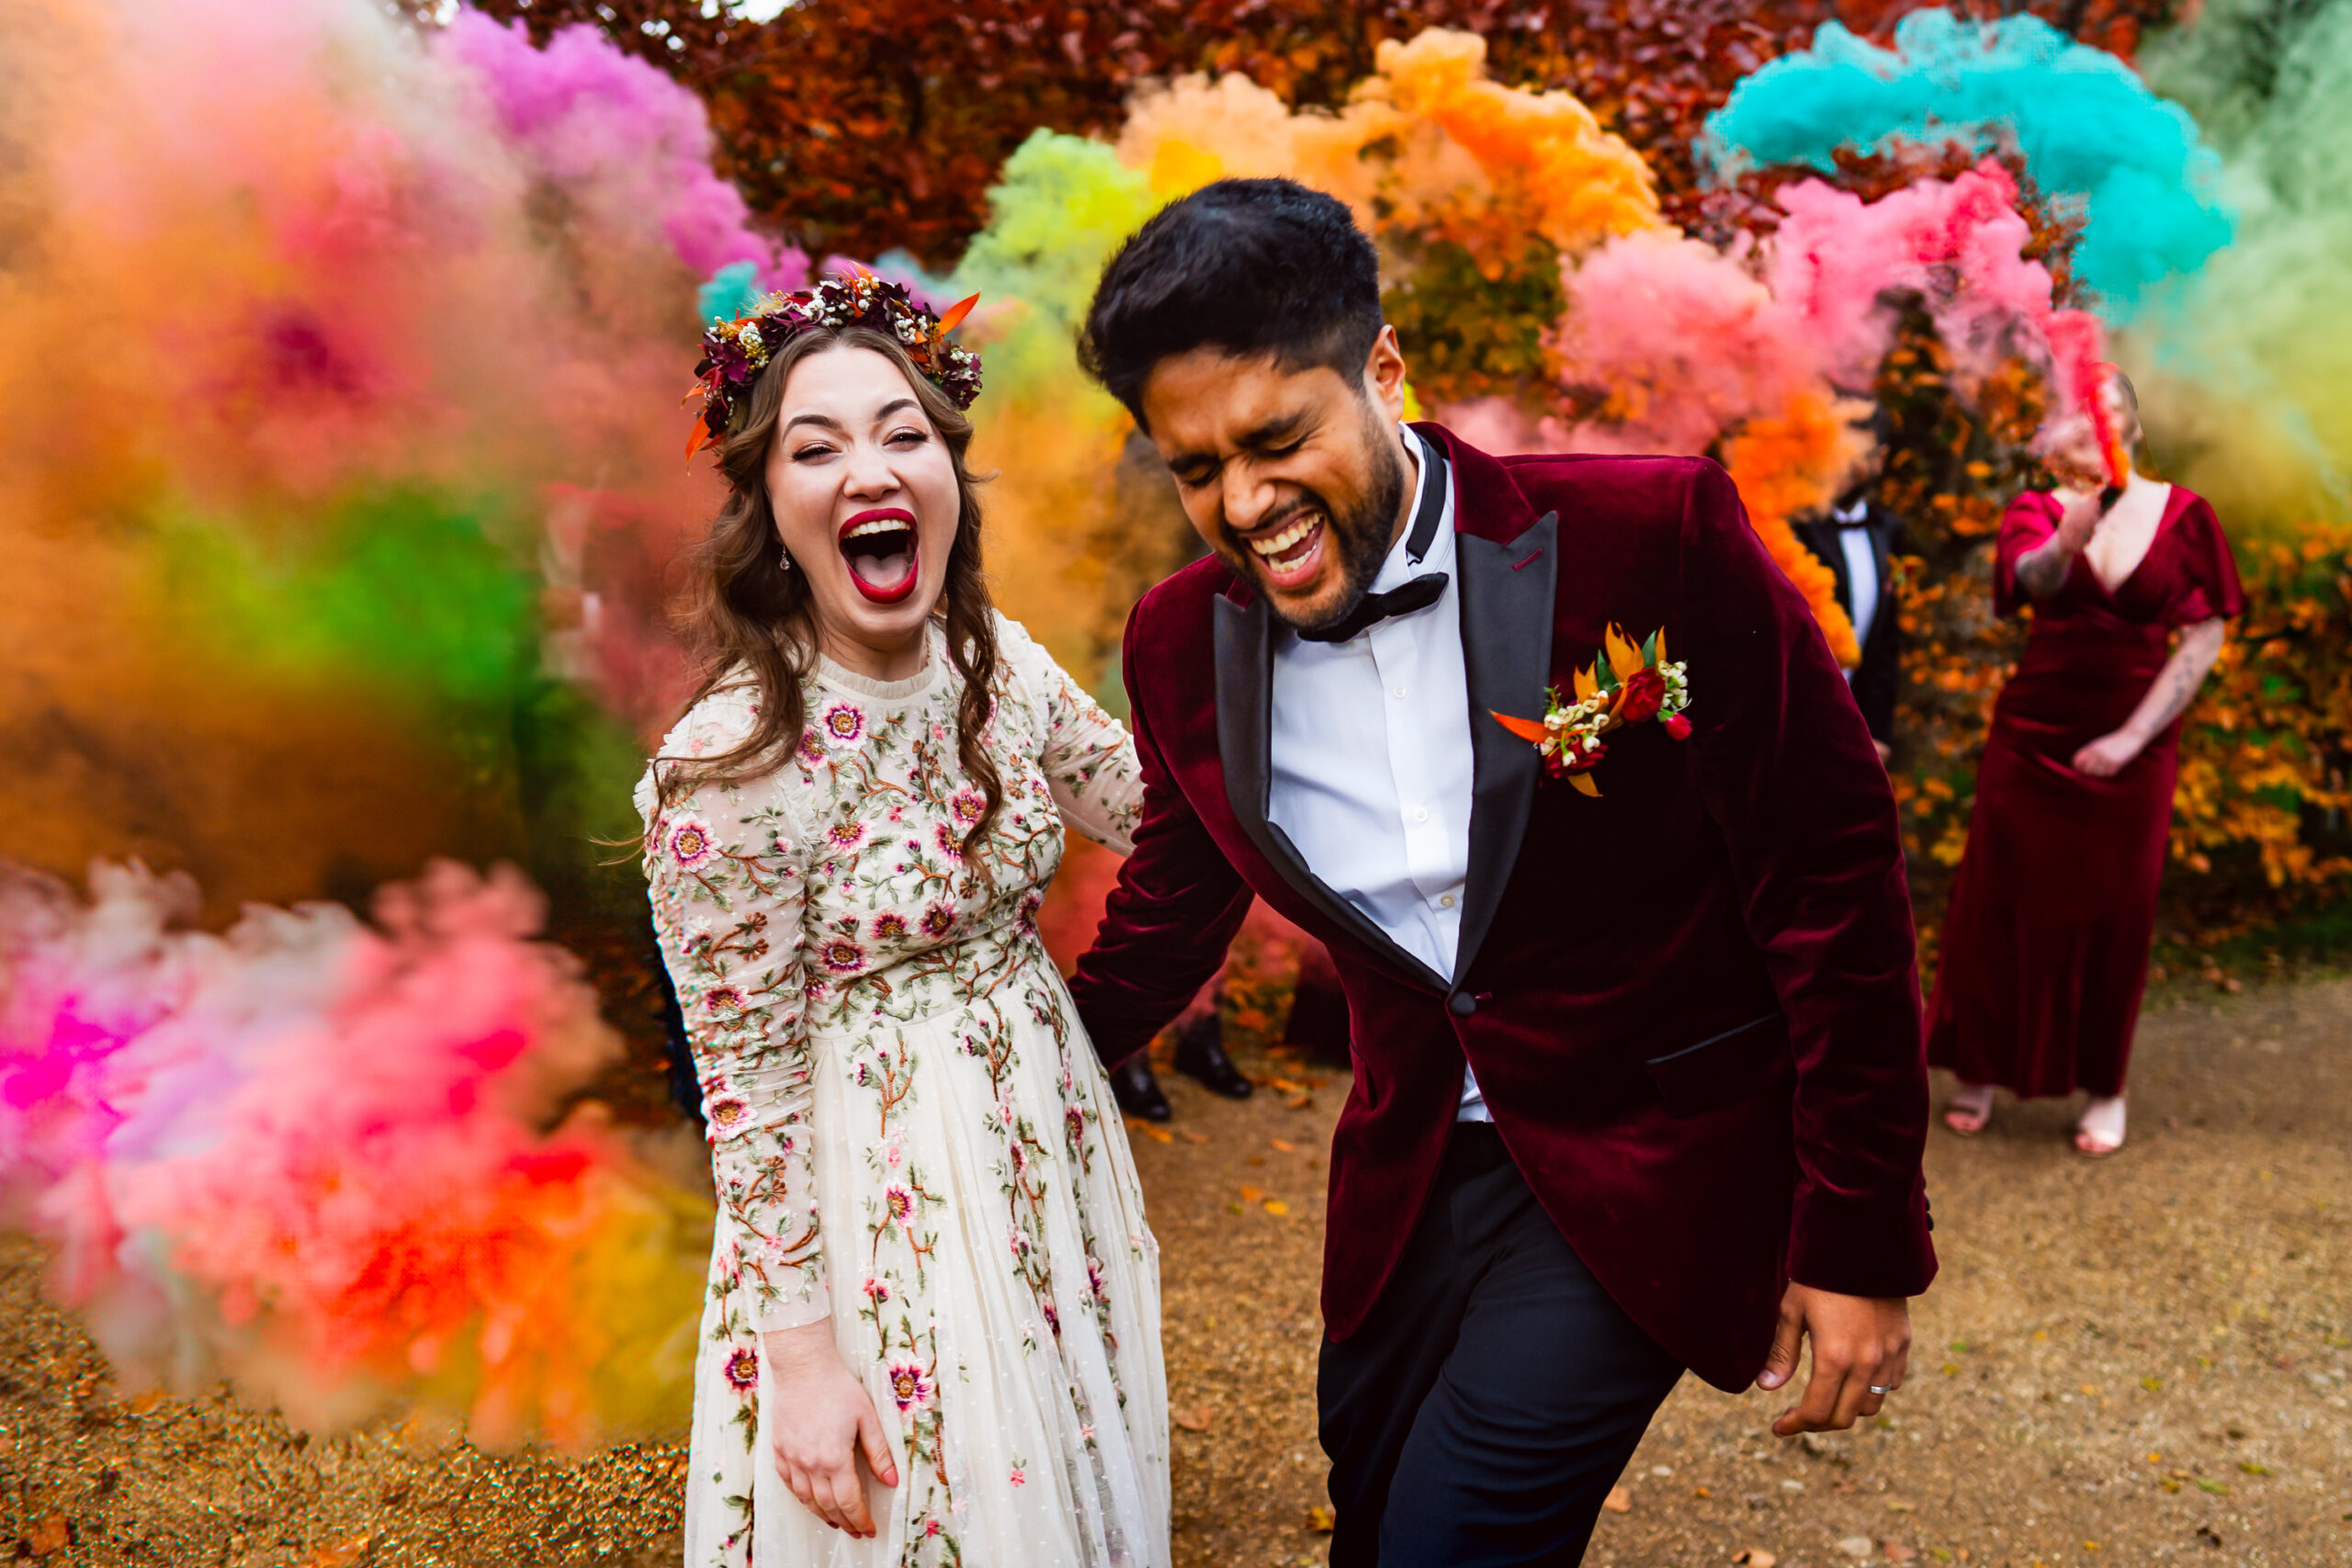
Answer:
[(1245, 670), (1507, 593)]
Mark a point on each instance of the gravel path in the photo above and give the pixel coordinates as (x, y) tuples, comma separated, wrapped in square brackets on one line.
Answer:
[(2142, 1359)]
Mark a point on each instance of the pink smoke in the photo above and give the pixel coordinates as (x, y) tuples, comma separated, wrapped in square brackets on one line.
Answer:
[(1689, 341), (324, 1157), (581, 111)]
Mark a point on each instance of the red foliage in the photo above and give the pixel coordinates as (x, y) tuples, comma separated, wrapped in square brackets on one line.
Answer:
[(855, 125)]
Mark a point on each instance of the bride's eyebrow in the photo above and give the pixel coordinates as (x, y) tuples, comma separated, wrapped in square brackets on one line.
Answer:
[(828, 420)]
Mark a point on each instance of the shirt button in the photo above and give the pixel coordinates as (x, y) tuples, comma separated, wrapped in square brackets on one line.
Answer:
[(1401, 691), (1420, 814), (1445, 900)]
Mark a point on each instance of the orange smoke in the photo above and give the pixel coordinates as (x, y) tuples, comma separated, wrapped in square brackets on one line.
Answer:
[(1791, 462)]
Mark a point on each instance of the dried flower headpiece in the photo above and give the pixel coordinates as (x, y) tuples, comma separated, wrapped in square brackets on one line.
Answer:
[(734, 353)]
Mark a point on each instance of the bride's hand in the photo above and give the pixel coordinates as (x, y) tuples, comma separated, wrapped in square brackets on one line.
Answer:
[(824, 1420)]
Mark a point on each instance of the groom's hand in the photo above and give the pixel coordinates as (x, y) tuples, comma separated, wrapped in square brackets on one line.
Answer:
[(1858, 1342)]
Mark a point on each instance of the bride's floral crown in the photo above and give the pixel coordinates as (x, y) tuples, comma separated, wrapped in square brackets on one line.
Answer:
[(734, 353)]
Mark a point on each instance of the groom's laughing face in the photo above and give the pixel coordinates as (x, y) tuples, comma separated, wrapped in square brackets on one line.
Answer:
[(1297, 477)]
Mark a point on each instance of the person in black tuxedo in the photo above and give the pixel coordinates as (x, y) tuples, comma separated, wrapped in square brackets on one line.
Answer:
[(1859, 539)]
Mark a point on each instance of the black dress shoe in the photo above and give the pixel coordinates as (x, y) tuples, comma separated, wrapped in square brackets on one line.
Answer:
[(1200, 1053), (1137, 1092)]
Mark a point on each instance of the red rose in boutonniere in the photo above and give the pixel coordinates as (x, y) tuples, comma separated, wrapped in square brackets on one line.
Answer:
[(1628, 684)]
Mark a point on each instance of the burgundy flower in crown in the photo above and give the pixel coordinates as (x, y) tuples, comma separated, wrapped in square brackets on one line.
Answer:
[(734, 353)]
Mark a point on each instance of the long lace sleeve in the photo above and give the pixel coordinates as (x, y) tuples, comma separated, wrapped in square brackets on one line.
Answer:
[(726, 890), (1089, 758)]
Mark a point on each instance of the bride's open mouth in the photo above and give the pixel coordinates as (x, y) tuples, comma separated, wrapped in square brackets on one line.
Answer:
[(879, 547)]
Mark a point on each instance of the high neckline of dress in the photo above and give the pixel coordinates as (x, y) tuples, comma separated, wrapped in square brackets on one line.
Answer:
[(914, 685)]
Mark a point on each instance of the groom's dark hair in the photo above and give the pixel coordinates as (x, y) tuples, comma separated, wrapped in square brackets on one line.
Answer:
[(1248, 266)]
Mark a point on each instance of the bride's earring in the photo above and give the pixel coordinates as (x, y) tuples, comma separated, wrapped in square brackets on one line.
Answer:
[(785, 555)]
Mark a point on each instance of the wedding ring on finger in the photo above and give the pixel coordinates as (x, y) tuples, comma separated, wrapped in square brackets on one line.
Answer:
[(1877, 1388)]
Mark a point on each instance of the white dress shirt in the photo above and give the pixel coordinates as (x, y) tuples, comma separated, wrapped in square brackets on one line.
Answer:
[(1370, 758), (1861, 571)]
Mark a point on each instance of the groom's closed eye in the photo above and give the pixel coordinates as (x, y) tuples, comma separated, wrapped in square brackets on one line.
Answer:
[(1274, 440)]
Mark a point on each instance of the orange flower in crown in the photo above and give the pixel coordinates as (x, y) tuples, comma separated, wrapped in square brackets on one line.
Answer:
[(734, 353)]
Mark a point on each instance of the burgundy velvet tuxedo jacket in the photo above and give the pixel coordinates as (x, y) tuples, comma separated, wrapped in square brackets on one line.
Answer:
[(1692, 1003)]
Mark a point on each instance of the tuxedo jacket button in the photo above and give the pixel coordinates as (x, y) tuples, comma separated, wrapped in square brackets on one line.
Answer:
[(1462, 1004)]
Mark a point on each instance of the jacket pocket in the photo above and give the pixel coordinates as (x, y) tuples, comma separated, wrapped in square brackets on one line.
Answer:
[(1724, 1068)]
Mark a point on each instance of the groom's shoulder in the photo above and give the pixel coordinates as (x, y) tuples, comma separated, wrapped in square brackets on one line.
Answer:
[(1182, 598), (1621, 489)]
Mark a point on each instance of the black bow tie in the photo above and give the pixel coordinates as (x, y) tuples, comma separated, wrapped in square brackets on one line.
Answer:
[(1373, 608)]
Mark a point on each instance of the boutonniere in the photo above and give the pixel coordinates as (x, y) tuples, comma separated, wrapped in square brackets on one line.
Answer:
[(1628, 684)]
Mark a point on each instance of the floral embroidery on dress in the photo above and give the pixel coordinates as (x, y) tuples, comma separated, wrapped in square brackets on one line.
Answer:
[(871, 1010)]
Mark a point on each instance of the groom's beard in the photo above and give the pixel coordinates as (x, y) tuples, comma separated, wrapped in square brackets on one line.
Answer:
[(1359, 536)]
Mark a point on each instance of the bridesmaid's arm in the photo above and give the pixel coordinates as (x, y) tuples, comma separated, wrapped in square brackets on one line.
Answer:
[(2042, 570), (2167, 698)]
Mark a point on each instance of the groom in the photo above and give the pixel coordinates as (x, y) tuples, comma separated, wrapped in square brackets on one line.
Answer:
[(1638, 1084)]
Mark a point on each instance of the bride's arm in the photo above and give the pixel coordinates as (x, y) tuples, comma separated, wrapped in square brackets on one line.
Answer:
[(1089, 758), (727, 897)]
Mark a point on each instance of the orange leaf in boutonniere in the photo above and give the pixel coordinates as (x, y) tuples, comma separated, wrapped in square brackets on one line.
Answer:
[(1629, 683)]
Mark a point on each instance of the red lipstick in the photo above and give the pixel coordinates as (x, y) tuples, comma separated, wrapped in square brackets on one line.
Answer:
[(882, 538)]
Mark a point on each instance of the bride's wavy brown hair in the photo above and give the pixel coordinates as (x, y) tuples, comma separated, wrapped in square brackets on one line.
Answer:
[(740, 610)]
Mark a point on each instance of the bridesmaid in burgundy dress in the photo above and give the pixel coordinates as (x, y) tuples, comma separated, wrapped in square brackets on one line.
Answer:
[(2046, 945)]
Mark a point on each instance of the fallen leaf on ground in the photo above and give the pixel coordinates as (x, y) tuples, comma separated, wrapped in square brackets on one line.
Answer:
[(50, 1535), (1618, 1501), (1276, 1207), (1755, 1557), (1857, 1546), (1193, 1137), (1319, 1520), (1701, 1492), (1898, 1553), (1196, 1419), (1300, 1101), (1159, 1134), (1286, 1087), (1252, 1194), (2253, 1468), (2215, 1487), (342, 1556), (1285, 1145)]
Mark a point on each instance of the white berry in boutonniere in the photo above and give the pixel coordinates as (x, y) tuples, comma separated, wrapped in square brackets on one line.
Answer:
[(1628, 684)]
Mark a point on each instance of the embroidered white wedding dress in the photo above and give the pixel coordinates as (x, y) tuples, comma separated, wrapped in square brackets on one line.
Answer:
[(911, 1137)]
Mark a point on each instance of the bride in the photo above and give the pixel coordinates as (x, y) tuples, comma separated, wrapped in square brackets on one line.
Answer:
[(932, 1331)]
